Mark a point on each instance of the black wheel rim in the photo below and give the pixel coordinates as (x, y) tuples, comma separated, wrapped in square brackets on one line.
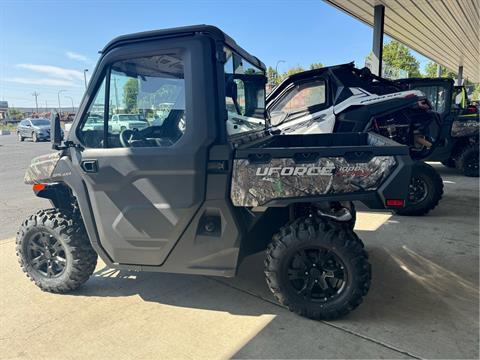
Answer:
[(418, 190), (46, 255), (316, 274)]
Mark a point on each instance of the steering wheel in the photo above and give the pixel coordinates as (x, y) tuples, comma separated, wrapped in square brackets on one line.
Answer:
[(126, 135)]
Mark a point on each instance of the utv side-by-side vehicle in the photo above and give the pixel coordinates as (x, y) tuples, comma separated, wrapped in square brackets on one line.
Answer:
[(207, 182), (342, 98), (458, 144)]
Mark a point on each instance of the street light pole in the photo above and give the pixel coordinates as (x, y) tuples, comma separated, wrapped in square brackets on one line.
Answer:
[(276, 69), (59, 105), (85, 77), (36, 99), (276, 66), (71, 99)]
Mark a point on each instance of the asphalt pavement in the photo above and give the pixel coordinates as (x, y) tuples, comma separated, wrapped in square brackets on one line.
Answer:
[(17, 200), (424, 300)]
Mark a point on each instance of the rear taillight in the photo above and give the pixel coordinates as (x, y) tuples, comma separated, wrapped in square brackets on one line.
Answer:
[(38, 187), (395, 202)]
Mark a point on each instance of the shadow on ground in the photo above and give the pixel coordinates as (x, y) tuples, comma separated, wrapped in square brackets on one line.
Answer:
[(413, 303)]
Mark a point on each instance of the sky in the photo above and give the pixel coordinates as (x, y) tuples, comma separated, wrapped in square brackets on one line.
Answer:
[(45, 46)]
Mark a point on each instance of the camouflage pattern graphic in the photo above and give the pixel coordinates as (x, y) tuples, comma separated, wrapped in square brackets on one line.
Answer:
[(465, 126), (255, 184), (41, 168)]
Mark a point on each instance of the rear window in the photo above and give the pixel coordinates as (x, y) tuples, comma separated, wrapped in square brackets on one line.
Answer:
[(40, 122), (244, 95)]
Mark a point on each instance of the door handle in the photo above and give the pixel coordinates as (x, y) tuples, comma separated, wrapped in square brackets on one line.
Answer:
[(89, 166)]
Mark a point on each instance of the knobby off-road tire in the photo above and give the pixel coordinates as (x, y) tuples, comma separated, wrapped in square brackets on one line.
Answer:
[(468, 161), (311, 248), (425, 191), (54, 251)]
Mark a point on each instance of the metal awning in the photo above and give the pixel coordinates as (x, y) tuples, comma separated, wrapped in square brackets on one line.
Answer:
[(446, 31)]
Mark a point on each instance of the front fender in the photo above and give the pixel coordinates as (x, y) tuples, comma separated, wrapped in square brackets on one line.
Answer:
[(41, 168)]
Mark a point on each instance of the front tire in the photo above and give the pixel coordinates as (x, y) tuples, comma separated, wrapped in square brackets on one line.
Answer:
[(425, 191), (54, 251), (20, 137), (317, 268), (468, 161), (34, 137)]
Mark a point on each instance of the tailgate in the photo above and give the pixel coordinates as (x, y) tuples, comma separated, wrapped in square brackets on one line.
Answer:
[(278, 171)]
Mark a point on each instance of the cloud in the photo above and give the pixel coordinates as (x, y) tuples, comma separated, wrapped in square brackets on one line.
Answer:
[(44, 81), (55, 71), (76, 56)]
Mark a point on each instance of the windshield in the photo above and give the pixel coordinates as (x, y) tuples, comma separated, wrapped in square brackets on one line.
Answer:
[(302, 97), (40, 122), (244, 95)]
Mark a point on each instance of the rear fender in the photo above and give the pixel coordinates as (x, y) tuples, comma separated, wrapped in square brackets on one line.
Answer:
[(59, 195)]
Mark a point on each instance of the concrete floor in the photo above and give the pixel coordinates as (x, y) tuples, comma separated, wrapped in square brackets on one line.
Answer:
[(423, 302)]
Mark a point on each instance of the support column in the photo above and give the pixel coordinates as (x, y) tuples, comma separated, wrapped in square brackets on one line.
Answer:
[(439, 70), (460, 75), (377, 48)]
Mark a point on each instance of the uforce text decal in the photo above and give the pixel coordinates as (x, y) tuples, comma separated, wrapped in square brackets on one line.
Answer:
[(328, 170), (295, 170)]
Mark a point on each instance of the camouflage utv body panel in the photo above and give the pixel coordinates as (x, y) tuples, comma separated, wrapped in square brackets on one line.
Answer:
[(41, 168), (255, 184), (466, 125)]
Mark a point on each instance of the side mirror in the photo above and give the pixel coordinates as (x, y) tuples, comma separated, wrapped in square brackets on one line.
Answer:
[(56, 131)]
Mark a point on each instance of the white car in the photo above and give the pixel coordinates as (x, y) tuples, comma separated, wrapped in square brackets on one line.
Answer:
[(120, 122)]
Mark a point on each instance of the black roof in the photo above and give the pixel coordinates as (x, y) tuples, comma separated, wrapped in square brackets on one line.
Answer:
[(209, 30)]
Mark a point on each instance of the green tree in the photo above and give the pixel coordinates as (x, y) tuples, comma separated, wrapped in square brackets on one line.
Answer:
[(15, 114), (294, 70), (431, 70), (272, 76), (130, 94), (291, 71), (398, 56), (476, 93), (317, 65)]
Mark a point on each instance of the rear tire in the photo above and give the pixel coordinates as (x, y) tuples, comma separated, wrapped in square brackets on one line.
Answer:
[(426, 190), (34, 137), (317, 268), (54, 251), (468, 161)]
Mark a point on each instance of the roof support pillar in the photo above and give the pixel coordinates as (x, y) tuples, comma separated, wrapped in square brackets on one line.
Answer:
[(439, 70), (377, 48), (460, 75)]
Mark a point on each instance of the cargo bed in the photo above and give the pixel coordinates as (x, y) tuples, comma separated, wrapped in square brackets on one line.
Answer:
[(285, 169)]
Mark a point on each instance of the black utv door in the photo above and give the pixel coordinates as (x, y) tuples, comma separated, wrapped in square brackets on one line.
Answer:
[(146, 182), (439, 92)]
